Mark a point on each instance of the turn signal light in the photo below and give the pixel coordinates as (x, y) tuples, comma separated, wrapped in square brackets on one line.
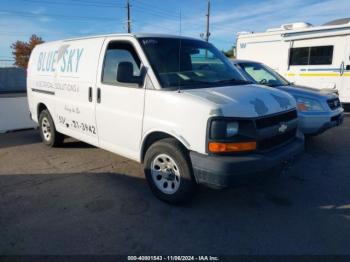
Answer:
[(302, 107), (215, 147)]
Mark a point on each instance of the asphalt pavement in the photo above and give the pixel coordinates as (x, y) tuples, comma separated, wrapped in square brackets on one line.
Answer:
[(78, 199)]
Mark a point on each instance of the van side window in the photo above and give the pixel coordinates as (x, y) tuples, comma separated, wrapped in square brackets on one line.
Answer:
[(120, 54), (316, 55)]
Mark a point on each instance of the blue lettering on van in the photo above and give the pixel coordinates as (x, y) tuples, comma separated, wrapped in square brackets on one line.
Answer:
[(64, 60), (48, 62), (53, 61), (43, 62), (79, 53), (39, 61), (70, 58)]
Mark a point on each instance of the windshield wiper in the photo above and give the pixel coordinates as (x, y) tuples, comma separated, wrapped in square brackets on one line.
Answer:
[(189, 83), (233, 81)]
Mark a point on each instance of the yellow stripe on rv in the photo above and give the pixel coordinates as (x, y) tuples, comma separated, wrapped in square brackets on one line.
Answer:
[(317, 74)]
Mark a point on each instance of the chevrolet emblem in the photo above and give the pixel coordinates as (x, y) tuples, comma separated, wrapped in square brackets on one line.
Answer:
[(283, 127)]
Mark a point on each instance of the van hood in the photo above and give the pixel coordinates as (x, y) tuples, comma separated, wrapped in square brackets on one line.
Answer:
[(245, 100)]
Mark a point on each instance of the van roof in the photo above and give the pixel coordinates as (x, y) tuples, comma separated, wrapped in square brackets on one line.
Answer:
[(135, 35)]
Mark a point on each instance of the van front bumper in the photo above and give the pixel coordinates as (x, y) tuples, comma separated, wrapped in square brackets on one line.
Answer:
[(223, 171)]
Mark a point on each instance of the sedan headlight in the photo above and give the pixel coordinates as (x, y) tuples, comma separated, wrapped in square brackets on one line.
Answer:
[(222, 129), (308, 105)]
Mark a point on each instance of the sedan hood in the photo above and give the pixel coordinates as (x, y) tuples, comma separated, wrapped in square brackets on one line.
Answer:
[(307, 91), (245, 100)]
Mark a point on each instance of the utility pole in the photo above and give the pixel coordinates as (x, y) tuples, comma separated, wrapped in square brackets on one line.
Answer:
[(128, 16), (206, 35)]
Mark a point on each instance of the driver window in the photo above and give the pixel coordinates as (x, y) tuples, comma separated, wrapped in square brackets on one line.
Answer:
[(120, 54), (202, 59), (259, 74)]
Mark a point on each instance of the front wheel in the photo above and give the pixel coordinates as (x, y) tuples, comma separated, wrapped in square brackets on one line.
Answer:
[(168, 171)]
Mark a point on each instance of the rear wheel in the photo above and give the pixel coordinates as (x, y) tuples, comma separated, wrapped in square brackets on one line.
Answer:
[(168, 171), (48, 133)]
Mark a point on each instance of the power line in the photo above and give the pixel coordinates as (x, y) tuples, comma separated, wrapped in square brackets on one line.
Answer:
[(157, 9), (29, 14), (168, 30), (154, 13), (88, 4), (94, 2), (141, 5), (150, 15)]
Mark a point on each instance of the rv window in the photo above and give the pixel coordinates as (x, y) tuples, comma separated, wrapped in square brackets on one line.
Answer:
[(299, 56), (316, 55), (118, 52), (321, 55)]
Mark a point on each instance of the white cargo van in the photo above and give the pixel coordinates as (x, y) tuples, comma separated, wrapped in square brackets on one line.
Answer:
[(175, 104), (315, 56)]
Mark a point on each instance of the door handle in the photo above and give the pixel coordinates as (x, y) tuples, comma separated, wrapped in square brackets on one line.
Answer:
[(90, 94), (98, 95), (342, 68)]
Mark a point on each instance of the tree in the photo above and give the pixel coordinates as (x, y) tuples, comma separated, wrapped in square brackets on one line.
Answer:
[(22, 50), (230, 53)]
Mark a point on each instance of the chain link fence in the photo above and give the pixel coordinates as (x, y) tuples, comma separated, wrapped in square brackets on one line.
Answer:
[(7, 63), (12, 78)]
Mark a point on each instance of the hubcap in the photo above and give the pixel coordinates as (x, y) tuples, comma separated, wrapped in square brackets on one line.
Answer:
[(46, 129), (165, 174)]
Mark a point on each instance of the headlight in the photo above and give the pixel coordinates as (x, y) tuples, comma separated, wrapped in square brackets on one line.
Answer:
[(308, 105), (231, 129), (222, 129)]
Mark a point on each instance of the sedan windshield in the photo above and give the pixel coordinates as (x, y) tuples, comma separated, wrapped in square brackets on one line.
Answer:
[(186, 63), (262, 74)]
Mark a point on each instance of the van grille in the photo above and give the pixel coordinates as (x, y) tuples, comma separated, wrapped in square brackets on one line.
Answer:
[(334, 103), (275, 141), (271, 125), (275, 119)]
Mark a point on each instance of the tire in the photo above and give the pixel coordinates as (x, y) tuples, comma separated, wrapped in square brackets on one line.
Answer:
[(168, 171), (48, 133)]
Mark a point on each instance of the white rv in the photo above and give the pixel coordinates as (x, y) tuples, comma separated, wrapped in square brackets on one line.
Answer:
[(315, 56), (175, 104)]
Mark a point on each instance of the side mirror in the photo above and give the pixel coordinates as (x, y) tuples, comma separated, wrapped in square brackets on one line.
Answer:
[(125, 74)]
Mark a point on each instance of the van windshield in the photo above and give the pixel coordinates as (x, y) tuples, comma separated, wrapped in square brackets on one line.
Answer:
[(187, 63)]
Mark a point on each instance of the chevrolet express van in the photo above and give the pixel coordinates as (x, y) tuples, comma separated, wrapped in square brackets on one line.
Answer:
[(174, 104)]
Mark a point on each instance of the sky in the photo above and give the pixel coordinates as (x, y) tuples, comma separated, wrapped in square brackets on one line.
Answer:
[(60, 19)]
